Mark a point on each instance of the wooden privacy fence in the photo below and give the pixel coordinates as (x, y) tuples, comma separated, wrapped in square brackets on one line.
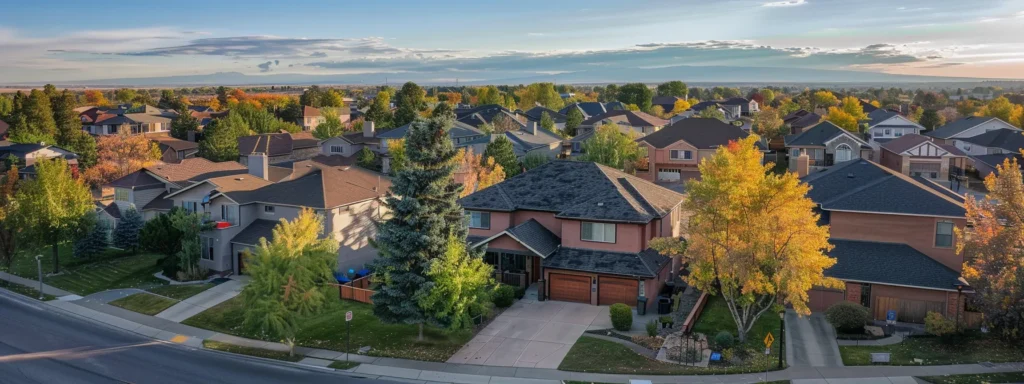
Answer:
[(972, 320), (357, 290), (907, 311)]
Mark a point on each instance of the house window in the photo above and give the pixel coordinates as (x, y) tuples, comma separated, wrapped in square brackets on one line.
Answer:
[(337, 149), (599, 232), (229, 213), (479, 220), (207, 244), (944, 234), (268, 209), (576, 146), (865, 295), (190, 206), (888, 131), (843, 153), (681, 155), (120, 194)]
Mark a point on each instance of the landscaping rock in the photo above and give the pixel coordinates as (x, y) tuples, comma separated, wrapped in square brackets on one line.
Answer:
[(364, 350), (874, 331)]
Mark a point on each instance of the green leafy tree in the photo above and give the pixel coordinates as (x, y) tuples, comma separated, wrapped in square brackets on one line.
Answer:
[(543, 94), (638, 94), (189, 225), (331, 127), (410, 100), (712, 113), (53, 207), (504, 154), (768, 96), (366, 159), (220, 139), (931, 119), (127, 95), (768, 124), (547, 122), (9, 183), (489, 95), (126, 234), (380, 111), (32, 120), (672, 88), (443, 109), (258, 120), (611, 147), (424, 214), (183, 124), (573, 119), (6, 107), (160, 236), (534, 160), (458, 286), (399, 160), (94, 243)]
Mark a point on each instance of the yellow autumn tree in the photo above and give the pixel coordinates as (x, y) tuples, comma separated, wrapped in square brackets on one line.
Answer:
[(476, 172), (680, 106), (851, 105), (753, 235), (842, 119)]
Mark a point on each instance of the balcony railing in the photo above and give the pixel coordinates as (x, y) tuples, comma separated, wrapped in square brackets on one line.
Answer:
[(512, 278)]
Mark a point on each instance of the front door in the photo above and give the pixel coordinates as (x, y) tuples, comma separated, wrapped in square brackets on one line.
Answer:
[(241, 262)]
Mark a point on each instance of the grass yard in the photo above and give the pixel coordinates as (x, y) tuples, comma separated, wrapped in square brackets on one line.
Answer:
[(181, 292), (343, 365), (599, 356), (114, 270), (327, 331), (716, 318), (144, 303), (934, 352), (250, 351), (982, 378), (25, 291)]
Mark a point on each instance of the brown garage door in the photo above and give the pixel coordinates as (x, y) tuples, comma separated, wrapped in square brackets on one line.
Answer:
[(612, 290), (570, 288), (820, 299)]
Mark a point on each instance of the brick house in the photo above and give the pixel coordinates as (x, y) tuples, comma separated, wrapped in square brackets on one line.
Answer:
[(894, 240), (920, 156), (824, 145), (674, 152), (582, 227)]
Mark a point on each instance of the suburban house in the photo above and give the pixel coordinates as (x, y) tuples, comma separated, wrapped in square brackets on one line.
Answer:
[(894, 241), (351, 143), (536, 113), (463, 136), (986, 164), (822, 146), (731, 112), (27, 155), (799, 120), (532, 139), (279, 147), (674, 152), (866, 106), (885, 125), (312, 117), (592, 108), (582, 227), (174, 150), (968, 127), (667, 103), (748, 107), (126, 119), (489, 115), (996, 141), (246, 206), (636, 122), (919, 156)]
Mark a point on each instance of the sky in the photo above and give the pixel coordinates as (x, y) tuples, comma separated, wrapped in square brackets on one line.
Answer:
[(72, 40)]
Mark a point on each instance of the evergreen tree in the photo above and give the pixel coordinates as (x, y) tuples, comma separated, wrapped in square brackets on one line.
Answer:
[(33, 121), (160, 236), (547, 122), (366, 159), (66, 120), (94, 243), (6, 107), (443, 109), (183, 124), (638, 94), (220, 139), (503, 153), (573, 118), (83, 145), (424, 214), (126, 234), (410, 101)]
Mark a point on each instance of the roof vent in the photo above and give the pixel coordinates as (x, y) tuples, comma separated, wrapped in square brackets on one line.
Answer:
[(239, 178), (849, 175), (600, 204)]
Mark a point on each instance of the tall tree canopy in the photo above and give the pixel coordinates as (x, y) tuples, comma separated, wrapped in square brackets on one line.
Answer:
[(183, 124), (851, 105), (768, 125), (331, 127), (673, 88), (753, 235), (70, 135), (489, 95), (220, 138), (504, 153), (711, 112), (543, 94), (8, 242), (1002, 108), (478, 172), (409, 100), (458, 286), (637, 94), (120, 155), (993, 251), (573, 119), (125, 95), (823, 99), (611, 147), (53, 207), (931, 119), (380, 111), (842, 119), (32, 118)]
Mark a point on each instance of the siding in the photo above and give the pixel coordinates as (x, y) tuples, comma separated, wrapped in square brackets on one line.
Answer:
[(915, 231), (145, 196)]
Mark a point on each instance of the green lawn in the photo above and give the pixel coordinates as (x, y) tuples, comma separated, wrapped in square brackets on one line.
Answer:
[(983, 378), (25, 291), (144, 303), (181, 292), (250, 351), (343, 365), (115, 269), (327, 331), (934, 352), (716, 318), (599, 356)]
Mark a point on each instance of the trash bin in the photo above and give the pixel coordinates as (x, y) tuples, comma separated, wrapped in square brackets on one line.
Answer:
[(641, 306), (664, 305), (540, 290)]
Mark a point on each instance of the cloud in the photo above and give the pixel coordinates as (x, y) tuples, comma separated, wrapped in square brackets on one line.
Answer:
[(265, 67), (318, 54), (787, 3), (284, 47), (534, 34)]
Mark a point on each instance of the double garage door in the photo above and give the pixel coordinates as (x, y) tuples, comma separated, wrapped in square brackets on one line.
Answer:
[(577, 288)]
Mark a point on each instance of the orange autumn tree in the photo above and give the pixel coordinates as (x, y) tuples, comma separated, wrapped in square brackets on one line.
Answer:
[(476, 172), (753, 235), (120, 155)]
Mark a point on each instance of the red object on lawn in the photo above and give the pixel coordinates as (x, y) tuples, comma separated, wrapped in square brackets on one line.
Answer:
[(223, 224)]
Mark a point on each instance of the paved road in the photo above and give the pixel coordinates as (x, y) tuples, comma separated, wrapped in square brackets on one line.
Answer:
[(38, 345), (810, 341)]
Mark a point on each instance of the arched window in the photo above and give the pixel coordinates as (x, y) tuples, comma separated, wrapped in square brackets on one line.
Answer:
[(843, 153)]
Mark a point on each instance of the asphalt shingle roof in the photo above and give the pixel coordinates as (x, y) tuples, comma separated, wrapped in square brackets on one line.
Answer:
[(535, 236), (589, 108), (801, 119), (954, 128), (817, 135), (644, 264), (880, 115), (578, 190), (317, 185), (258, 228), (138, 179), (535, 113), (1009, 139), (633, 118), (459, 129), (863, 186), (888, 263), (703, 133)]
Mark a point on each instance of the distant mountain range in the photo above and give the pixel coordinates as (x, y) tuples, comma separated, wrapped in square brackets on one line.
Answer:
[(691, 74)]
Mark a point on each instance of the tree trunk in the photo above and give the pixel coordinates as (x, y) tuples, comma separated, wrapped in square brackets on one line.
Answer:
[(56, 260), (420, 337)]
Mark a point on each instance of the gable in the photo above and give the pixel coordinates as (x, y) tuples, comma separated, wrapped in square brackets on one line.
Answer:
[(847, 137), (984, 127), (926, 149), (897, 121)]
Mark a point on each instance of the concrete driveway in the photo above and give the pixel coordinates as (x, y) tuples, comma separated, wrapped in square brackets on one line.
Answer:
[(811, 341), (531, 334)]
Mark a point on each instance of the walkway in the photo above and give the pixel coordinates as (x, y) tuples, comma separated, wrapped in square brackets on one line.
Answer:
[(811, 341), (204, 300), (34, 284), (422, 371)]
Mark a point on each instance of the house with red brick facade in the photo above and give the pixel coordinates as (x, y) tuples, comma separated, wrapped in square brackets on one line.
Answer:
[(581, 227), (894, 240), (674, 152)]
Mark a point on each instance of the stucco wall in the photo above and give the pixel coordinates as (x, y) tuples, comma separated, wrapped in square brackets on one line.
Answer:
[(915, 231), (547, 219), (348, 149), (508, 244), (628, 237), (500, 221), (353, 227)]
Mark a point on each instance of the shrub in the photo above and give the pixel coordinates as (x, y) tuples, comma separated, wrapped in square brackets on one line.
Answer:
[(520, 292), (937, 324), (126, 234), (622, 316), (848, 317), (652, 328), (504, 296), (723, 340), (727, 355), (94, 243)]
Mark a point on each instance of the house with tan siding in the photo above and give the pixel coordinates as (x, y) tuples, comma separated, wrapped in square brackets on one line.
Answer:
[(673, 153), (819, 147), (920, 156)]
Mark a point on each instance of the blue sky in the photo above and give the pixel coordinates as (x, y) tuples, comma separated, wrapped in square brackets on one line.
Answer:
[(480, 40)]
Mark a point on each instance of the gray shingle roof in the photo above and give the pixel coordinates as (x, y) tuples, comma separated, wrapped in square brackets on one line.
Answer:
[(880, 115), (459, 129), (888, 263), (589, 108), (536, 237), (578, 190), (644, 264), (258, 228), (703, 133), (864, 186), (138, 180), (1009, 139), (535, 114), (801, 119), (956, 127), (817, 135)]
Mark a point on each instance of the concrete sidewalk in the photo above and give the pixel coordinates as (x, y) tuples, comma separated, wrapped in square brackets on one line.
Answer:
[(204, 300), (424, 371), (34, 284)]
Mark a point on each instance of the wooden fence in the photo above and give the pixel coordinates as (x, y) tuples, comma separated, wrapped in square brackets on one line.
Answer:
[(907, 311), (691, 319), (357, 290), (972, 320)]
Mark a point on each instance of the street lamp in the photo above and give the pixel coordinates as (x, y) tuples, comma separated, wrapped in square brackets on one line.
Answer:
[(39, 266), (782, 335), (959, 291)]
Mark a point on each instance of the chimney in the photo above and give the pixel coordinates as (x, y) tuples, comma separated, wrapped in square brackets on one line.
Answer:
[(803, 165), (258, 165), (368, 130), (532, 127)]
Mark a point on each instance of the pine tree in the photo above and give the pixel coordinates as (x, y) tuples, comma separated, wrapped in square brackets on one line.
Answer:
[(183, 124), (220, 140), (573, 118), (33, 119), (95, 242), (547, 122), (424, 213), (503, 153), (126, 234), (66, 119), (410, 101)]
